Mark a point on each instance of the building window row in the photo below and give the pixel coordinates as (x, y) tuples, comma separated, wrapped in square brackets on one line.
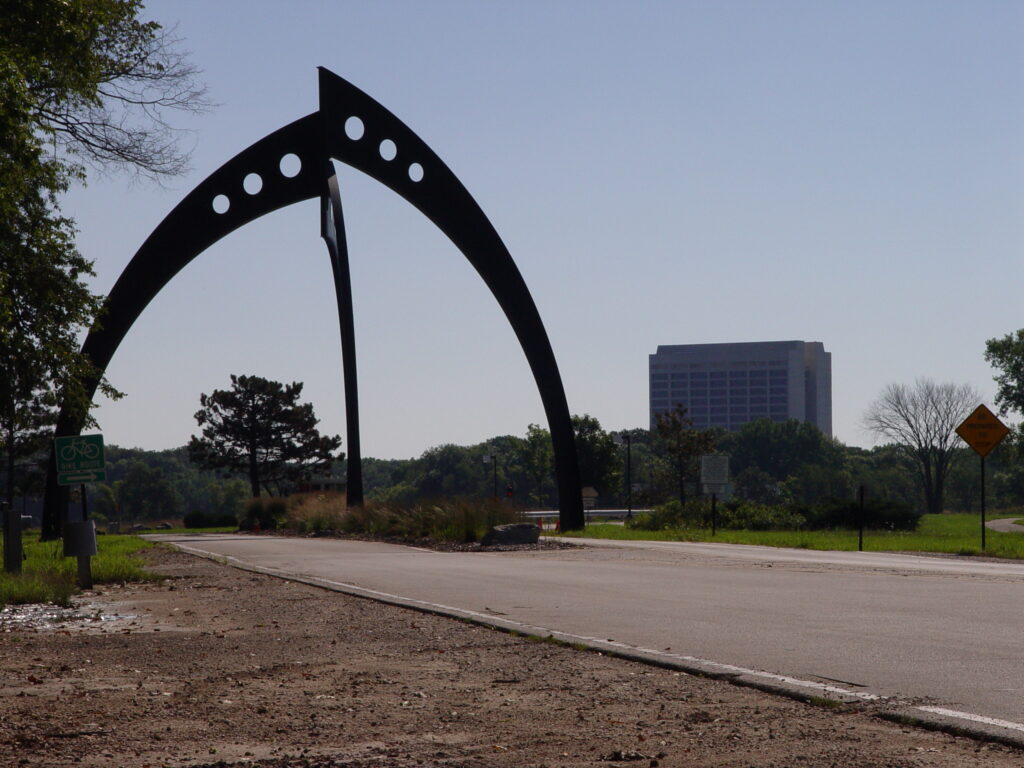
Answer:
[(719, 398), (719, 375), (733, 389), (720, 368)]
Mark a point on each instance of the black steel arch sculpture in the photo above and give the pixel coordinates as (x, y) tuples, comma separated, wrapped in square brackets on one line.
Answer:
[(354, 129)]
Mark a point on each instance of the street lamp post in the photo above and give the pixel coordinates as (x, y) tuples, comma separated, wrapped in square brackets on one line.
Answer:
[(627, 439), (492, 459)]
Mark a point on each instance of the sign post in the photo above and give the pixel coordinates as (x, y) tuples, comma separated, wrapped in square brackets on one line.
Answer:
[(589, 496), (12, 539), (625, 438), (983, 431), (861, 496), (714, 473), (80, 460)]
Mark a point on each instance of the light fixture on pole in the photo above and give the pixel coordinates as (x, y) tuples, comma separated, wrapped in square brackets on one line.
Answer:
[(492, 459)]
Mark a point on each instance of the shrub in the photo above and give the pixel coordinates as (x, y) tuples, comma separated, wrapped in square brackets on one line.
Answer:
[(748, 516), (741, 515), (461, 520), (879, 514), (266, 513), (672, 514)]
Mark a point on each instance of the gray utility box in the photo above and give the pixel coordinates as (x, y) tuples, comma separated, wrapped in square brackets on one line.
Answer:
[(80, 539)]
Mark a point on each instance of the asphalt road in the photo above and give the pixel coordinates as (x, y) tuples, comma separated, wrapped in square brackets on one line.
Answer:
[(943, 632)]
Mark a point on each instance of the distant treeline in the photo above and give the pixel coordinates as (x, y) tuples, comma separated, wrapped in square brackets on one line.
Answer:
[(770, 463)]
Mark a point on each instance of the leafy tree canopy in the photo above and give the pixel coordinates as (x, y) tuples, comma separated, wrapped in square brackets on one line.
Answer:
[(598, 455), (448, 471), (779, 449), (82, 82), (681, 445), (538, 460), (145, 493), (91, 78), (258, 428), (1007, 355)]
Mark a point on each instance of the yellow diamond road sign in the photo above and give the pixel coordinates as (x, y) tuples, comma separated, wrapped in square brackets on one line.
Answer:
[(982, 430)]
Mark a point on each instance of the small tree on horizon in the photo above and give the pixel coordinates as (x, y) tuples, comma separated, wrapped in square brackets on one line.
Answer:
[(258, 428), (681, 443)]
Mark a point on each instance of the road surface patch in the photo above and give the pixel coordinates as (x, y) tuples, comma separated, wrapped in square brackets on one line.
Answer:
[(934, 718)]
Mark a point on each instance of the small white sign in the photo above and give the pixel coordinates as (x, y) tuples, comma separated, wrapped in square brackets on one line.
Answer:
[(714, 469)]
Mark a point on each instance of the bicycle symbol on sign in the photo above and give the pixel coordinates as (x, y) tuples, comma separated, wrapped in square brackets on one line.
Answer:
[(79, 448)]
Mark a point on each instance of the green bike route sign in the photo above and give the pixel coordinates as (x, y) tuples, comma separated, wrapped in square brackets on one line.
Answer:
[(80, 459)]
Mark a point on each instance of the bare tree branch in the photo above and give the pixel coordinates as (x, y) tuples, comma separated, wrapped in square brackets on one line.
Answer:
[(921, 420), (124, 123)]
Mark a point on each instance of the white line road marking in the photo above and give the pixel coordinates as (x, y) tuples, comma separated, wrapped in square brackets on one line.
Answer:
[(599, 642), (534, 629), (973, 718), (566, 636)]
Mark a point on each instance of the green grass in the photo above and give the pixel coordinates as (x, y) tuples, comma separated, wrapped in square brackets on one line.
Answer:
[(49, 577), (215, 529), (953, 533)]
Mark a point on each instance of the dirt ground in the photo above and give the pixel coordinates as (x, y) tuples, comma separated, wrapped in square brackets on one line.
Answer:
[(219, 667)]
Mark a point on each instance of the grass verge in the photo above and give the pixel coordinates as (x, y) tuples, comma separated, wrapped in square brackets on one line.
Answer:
[(49, 577), (958, 534), (214, 529)]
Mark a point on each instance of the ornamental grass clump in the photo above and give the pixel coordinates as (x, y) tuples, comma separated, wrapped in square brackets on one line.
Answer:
[(263, 514), (456, 520), (467, 520), (316, 512)]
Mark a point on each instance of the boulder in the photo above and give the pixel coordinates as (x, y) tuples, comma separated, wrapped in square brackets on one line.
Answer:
[(512, 533)]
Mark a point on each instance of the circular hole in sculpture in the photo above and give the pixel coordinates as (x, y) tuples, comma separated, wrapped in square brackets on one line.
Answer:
[(416, 172), (354, 128), (221, 203), (388, 149), (290, 165), (252, 183)]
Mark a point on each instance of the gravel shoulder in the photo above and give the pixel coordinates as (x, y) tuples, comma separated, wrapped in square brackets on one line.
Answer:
[(220, 667)]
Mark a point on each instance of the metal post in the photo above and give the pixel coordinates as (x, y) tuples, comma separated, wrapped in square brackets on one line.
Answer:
[(714, 514), (629, 476), (860, 535), (85, 571), (12, 539), (84, 561), (982, 503), (492, 459)]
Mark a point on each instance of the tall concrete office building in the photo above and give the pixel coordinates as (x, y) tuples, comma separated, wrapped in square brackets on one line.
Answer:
[(727, 385)]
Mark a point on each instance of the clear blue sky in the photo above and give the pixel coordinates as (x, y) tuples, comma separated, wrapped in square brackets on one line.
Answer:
[(663, 173)]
